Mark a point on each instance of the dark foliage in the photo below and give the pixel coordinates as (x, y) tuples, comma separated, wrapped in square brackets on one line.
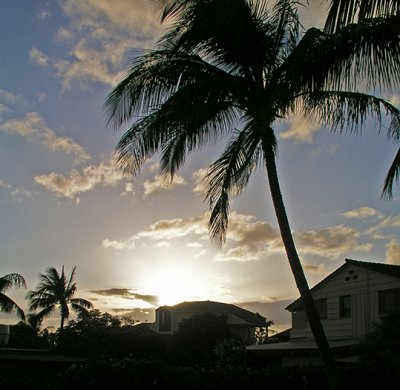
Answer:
[(101, 335), (23, 335), (380, 350), (206, 340)]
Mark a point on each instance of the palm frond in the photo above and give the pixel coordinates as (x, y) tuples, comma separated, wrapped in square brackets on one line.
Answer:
[(84, 303), (392, 176), (348, 111), (286, 20), (11, 280), (368, 52), (344, 12), (7, 305), (45, 312), (228, 176)]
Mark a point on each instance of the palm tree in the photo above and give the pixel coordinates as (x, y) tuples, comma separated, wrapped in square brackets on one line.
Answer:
[(235, 67), (57, 290), (6, 303)]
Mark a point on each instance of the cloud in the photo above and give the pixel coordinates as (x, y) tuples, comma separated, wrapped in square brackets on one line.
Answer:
[(300, 130), (200, 186), (126, 293), (330, 242), (38, 58), (18, 194), (385, 223), (248, 239), (393, 253), (8, 100), (34, 128), (161, 184), (362, 213), (100, 33), (163, 231), (315, 268), (77, 182), (119, 245), (3, 184)]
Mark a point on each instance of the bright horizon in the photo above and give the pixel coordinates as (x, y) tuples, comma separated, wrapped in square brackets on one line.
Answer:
[(140, 243)]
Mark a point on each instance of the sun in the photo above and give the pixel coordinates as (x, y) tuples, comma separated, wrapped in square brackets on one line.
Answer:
[(177, 284)]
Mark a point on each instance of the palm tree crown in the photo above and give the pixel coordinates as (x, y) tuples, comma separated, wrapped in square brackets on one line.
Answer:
[(6, 303), (232, 68), (230, 62), (56, 289)]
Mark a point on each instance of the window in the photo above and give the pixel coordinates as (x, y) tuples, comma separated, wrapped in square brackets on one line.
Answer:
[(389, 301), (165, 321), (345, 306), (321, 308)]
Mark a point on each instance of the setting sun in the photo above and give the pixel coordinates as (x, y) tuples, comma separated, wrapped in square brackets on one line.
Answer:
[(177, 284)]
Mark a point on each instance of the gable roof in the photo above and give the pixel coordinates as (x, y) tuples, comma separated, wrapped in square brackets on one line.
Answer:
[(388, 269), (254, 319)]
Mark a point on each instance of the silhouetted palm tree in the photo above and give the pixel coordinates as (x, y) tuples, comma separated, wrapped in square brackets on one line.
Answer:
[(235, 67), (54, 290), (6, 303)]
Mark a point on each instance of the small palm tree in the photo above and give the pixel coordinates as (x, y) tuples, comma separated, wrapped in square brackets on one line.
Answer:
[(56, 289), (6, 303)]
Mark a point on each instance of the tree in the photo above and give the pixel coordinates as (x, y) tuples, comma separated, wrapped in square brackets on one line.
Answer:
[(6, 303), (233, 68), (57, 290), (197, 339)]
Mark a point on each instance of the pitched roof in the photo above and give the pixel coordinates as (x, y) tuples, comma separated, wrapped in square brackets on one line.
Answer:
[(388, 269), (254, 319)]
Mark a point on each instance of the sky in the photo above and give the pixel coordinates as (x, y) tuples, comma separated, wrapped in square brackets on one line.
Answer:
[(142, 242)]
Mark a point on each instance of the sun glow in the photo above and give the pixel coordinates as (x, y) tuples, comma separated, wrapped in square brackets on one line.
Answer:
[(177, 284)]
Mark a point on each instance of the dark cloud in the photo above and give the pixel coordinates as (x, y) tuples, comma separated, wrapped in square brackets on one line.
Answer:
[(127, 294)]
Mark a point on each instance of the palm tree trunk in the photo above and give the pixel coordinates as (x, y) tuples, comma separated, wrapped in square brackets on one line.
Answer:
[(62, 323), (296, 267)]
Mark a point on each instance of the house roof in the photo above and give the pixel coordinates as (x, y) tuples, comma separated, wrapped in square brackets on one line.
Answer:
[(388, 269), (254, 319)]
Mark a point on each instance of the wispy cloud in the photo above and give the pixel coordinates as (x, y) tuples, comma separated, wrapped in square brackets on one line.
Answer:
[(8, 100), (104, 174), (315, 268), (38, 58), (200, 186), (362, 213), (300, 130), (331, 242), (100, 33), (248, 239), (161, 184), (385, 223), (393, 252), (126, 293), (17, 194), (35, 129)]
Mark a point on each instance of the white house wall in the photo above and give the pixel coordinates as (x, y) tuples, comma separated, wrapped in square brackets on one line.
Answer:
[(362, 285)]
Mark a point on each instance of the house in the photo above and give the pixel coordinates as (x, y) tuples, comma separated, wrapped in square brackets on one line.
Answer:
[(350, 301), (242, 323)]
